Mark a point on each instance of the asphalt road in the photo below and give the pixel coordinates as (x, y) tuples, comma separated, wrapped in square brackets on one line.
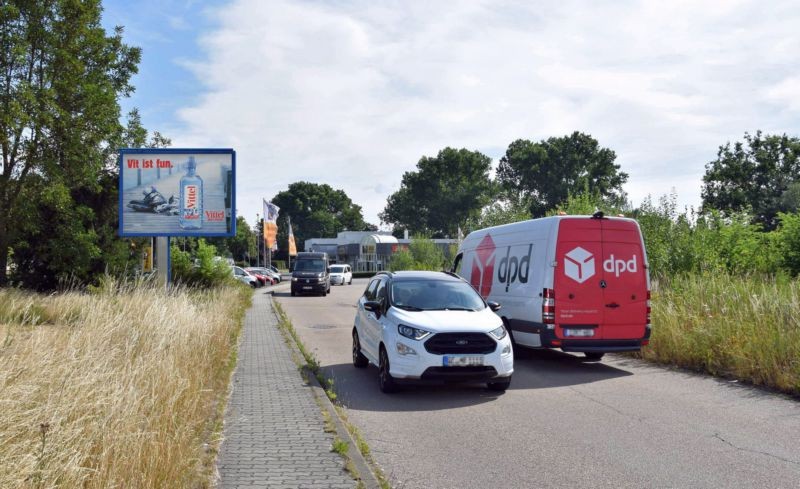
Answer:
[(564, 422)]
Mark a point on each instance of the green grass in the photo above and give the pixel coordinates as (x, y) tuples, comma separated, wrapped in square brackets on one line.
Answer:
[(742, 327)]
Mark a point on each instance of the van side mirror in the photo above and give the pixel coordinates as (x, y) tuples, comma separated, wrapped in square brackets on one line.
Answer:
[(494, 306)]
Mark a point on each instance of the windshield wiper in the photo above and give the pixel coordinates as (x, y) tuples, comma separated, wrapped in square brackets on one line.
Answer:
[(407, 307), (451, 309)]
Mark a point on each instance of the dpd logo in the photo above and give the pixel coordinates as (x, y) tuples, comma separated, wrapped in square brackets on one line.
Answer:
[(579, 265), (514, 268), (483, 267)]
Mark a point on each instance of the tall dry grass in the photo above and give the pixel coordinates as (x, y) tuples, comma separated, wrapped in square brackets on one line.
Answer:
[(742, 327), (121, 388)]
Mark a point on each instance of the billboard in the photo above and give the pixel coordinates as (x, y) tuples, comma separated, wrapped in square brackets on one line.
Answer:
[(177, 192)]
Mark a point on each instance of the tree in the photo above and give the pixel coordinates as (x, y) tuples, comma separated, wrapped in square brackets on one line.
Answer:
[(757, 175), (544, 174), (444, 192), (60, 79), (422, 254), (316, 211), (242, 247)]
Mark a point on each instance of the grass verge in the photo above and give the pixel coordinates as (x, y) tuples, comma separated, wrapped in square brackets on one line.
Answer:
[(746, 328), (124, 387), (312, 365)]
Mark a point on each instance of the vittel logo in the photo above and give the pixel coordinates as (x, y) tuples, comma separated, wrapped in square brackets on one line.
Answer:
[(617, 267), (579, 265)]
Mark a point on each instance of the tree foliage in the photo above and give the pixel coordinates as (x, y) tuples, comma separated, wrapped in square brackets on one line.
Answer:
[(316, 211), (201, 268), (60, 78), (443, 194), (760, 175), (422, 254), (544, 174)]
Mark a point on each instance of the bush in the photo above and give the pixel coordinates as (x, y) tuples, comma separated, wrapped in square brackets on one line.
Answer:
[(422, 254), (787, 242), (205, 270)]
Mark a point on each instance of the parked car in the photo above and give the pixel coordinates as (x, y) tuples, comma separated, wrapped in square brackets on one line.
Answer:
[(263, 275), (244, 276), (311, 274), (578, 283), (430, 326), (341, 274)]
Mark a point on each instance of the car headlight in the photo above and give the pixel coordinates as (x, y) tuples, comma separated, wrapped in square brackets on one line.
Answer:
[(413, 333), (498, 333)]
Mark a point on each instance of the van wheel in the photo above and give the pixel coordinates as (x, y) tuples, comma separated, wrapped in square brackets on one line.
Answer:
[(324, 293), (591, 355), (385, 380), (294, 293), (499, 386), (359, 360)]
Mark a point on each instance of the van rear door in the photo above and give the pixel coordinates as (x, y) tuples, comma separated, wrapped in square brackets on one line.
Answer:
[(578, 275), (625, 280)]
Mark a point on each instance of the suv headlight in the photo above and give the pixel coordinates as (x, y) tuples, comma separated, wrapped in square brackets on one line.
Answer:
[(413, 333), (499, 333)]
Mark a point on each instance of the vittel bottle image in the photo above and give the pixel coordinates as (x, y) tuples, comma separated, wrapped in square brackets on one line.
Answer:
[(191, 216)]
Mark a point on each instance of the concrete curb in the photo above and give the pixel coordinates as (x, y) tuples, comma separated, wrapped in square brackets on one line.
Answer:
[(368, 478)]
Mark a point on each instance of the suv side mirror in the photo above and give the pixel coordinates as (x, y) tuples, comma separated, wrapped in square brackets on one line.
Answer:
[(494, 306), (373, 306)]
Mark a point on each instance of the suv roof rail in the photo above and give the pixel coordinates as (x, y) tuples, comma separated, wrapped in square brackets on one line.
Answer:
[(384, 272)]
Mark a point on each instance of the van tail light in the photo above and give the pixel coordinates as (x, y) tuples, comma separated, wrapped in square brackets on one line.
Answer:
[(648, 308), (548, 306)]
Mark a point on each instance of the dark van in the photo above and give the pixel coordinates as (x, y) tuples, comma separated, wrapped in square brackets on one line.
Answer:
[(311, 274)]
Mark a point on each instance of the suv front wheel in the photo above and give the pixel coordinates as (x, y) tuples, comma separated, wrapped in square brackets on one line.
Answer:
[(359, 360), (385, 379)]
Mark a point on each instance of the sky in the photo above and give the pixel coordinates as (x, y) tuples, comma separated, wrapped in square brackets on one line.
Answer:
[(354, 93)]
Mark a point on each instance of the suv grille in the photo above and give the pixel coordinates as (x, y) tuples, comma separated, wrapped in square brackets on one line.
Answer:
[(453, 343)]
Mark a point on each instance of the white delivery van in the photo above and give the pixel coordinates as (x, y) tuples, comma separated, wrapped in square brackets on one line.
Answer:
[(579, 283)]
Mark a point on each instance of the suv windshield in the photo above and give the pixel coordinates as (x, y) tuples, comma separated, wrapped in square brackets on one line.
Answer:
[(310, 266), (433, 295), (337, 269)]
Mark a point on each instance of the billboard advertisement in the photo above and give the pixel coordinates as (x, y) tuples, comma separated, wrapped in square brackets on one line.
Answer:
[(177, 192)]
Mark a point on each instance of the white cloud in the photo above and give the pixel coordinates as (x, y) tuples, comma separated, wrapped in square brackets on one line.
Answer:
[(354, 93)]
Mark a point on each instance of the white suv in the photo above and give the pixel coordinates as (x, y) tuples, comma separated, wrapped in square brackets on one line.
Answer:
[(433, 326)]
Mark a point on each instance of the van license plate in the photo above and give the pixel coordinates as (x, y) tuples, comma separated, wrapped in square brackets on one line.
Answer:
[(578, 332), (462, 361), (307, 287)]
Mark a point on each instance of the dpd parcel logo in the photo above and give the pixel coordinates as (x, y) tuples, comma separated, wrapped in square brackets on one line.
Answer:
[(579, 265), (483, 267)]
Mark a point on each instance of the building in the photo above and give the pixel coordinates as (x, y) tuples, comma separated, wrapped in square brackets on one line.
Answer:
[(365, 251)]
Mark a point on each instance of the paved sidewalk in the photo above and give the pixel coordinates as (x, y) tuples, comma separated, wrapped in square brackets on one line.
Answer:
[(274, 431)]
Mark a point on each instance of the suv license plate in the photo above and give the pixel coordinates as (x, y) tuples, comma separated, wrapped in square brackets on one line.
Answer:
[(462, 361), (578, 332)]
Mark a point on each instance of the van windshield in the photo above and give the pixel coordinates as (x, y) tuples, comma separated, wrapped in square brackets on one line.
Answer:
[(312, 265), (435, 295), (337, 269)]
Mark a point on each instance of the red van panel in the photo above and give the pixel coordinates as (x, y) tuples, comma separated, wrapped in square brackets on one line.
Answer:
[(600, 280), (625, 296), (579, 299)]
